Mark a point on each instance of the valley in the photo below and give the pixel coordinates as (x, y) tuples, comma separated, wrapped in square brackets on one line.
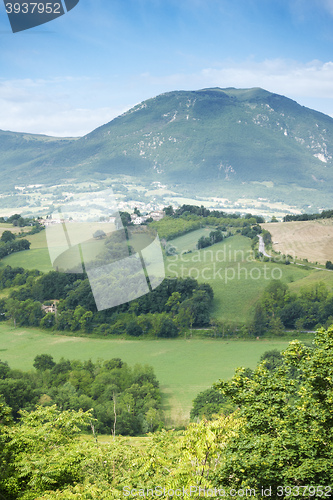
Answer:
[(183, 367), (222, 305), (131, 192)]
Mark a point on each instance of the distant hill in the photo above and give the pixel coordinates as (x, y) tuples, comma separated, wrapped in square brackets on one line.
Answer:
[(225, 142)]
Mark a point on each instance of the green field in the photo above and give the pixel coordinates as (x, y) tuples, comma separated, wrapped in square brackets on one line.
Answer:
[(35, 258), (189, 241), (237, 280), (38, 255), (183, 368)]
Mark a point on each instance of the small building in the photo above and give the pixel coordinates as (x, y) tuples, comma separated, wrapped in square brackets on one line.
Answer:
[(157, 215), (139, 220), (52, 308)]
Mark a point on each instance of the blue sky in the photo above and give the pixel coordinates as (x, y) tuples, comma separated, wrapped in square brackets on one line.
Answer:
[(81, 70)]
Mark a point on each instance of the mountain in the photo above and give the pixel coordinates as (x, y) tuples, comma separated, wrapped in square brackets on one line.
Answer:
[(227, 142)]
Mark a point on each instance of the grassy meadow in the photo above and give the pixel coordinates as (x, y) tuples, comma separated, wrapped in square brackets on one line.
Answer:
[(236, 278), (183, 368)]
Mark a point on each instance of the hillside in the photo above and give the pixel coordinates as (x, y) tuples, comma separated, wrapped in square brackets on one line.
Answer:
[(221, 142), (228, 267), (20, 153)]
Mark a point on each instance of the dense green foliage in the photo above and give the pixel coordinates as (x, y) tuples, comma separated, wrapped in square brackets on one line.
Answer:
[(11, 246), (214, 237), (278, 308), (286, 437), (210, 403), (7, 236), (15, 276), (124, 400), (187, 218), (176, 304), (251, 232), (279, 436), (169, 228), (201, 211)]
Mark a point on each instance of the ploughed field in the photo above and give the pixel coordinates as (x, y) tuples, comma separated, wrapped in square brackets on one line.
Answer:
[(183, 367), (312, 240)]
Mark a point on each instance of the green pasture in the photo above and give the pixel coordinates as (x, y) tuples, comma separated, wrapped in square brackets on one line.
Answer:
[(236, 278), (189, 241), (183, 367), (38, 255), (325, 276), (37, 258), (37, 240)]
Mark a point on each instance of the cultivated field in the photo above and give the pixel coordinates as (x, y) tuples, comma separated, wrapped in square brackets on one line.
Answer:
[(13, 229), (312, 240), (183, 368)]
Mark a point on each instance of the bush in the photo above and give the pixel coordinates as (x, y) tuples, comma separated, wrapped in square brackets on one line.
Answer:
[(167, 329), (134, 329)]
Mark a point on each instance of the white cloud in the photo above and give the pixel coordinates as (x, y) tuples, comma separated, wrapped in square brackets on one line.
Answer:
[(58, 122), (59, 107), (299, 81), (76, 106), (312, 79)]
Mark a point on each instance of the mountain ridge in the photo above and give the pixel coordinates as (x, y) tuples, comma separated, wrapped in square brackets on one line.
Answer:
[(228, 139)]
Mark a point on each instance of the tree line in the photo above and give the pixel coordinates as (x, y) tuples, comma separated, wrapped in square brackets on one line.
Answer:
[(279, 308), (201, 211), (214, 237), (174, 306), (19, 221), (187, 218), (11, 245), (325, 214)]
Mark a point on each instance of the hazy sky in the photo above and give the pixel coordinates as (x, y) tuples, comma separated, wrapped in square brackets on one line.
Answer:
[(83, 69)]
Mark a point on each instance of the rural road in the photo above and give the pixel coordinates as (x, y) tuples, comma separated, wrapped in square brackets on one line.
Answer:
[(262, 246), (263, 251)]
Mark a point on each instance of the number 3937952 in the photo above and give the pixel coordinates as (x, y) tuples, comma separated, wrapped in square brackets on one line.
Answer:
[(33, 7), (25, 14)]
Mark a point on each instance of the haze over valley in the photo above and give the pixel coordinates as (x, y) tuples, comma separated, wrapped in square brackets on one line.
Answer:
[(243, 149)]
